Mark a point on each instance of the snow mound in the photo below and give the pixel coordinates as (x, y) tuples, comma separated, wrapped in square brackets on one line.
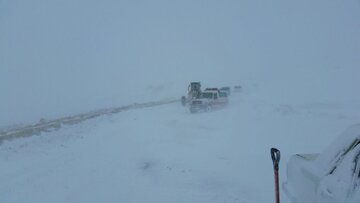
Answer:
[(330, 177)]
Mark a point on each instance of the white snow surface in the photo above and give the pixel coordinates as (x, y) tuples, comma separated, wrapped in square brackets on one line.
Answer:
[(166, 154)]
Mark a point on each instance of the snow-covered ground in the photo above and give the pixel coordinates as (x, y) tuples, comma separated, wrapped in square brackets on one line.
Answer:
[(166, 154)]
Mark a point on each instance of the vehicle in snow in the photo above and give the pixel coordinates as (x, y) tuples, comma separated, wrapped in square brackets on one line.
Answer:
[(194, 91), (210, 98), (237, 88), (227, 90), (330, 177)]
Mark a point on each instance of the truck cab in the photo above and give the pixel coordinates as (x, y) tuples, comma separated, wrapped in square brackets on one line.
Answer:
[(209, 99)]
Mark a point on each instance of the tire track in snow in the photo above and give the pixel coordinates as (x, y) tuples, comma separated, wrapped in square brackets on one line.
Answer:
[(51, 125)]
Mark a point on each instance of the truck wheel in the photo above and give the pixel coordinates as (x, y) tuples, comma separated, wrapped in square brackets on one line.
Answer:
[(183, 100), (208, 108), (192, 110)]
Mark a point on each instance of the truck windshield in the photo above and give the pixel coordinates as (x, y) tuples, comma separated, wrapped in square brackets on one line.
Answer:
[(223, 94), (207, 95)]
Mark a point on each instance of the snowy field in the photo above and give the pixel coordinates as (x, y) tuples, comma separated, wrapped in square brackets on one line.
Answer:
[(297, 61), (166, 154)]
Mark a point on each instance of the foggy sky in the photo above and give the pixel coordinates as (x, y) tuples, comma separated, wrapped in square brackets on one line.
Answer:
[(61, 57)]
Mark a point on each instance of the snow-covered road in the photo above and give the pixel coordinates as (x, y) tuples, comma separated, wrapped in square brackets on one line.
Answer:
[(49, 125), (166, 154)]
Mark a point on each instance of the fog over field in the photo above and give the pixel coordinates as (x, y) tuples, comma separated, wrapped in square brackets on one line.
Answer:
[(98, 83), (63, 57)]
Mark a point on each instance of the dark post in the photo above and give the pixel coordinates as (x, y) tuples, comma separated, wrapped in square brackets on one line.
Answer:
[(275, 156)]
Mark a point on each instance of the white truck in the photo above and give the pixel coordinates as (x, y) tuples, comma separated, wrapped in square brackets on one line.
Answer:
[(210, 98)]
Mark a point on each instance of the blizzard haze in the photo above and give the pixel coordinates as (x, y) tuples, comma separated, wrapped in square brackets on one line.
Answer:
[(297, 61), (62, 57)]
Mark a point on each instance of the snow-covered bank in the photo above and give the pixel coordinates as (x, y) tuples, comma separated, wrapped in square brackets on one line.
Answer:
[(328, 177)]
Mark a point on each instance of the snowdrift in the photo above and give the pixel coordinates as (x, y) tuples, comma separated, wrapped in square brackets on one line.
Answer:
[(332, 176)]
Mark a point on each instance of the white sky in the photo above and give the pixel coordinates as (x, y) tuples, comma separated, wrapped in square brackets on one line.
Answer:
[(61, 57)]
